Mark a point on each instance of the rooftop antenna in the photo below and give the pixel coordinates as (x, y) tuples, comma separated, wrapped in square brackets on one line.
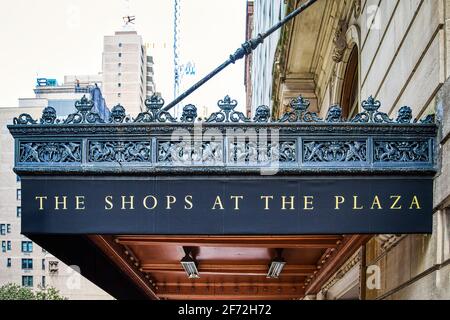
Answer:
[(128, 18), (245, 49)]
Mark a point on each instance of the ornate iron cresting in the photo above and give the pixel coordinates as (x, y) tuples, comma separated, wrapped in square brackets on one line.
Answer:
[(227, 113), (226, 142), (154, 112), (300, 112), (84, 114), (371, 113), (240, 53)]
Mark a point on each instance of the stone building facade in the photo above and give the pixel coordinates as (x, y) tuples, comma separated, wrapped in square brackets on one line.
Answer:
[(265, 14), (341, 52), (128, 75)]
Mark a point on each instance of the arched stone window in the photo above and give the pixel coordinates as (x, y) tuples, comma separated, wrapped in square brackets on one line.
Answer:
[(346, 87), (350, 86)]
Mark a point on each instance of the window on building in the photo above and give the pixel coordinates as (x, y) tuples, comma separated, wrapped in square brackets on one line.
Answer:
[(119, 74), (120, 45), (2, 229), (119, 95), (19, 194), (3, 246), (8, 263), (18, 178), (27, 281), (8, 228), (120, 55), (8, 245), (27, 264), (19, 212), (43, 282), (119, 84), (27, 246), (43, 264), (120, 64), (350, 87)]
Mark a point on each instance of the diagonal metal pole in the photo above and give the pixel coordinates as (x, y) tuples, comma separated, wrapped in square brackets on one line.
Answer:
[(240, 53)]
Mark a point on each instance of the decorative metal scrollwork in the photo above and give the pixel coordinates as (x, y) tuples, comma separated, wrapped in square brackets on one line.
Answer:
[(51, 152), (118, 115), (84, 114), (334, 151), (227, 112), (24, 118), (371, 113), (300, 112), (154, 111), (189, 114), (120, 151), (401, 151), (429, 119), (156, 114), (205, 152), (252, 152), (262, 114)]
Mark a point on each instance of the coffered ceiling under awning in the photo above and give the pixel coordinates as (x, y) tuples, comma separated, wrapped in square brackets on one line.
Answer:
[(229, 267)]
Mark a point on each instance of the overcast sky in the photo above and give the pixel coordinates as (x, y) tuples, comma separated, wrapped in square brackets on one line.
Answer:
[(53, 38)]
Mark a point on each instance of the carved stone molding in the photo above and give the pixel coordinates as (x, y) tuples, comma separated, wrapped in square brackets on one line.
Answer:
[(388, 241), (340, 41), (357, 8), (341, 273)]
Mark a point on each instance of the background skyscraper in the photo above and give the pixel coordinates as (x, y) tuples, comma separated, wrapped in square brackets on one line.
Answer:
[(127, 71)]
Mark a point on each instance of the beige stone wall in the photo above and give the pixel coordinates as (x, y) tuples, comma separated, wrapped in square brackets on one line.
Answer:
[(404, 62)]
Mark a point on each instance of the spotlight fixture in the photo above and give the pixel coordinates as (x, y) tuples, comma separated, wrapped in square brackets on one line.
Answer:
[(276, 266), (190, 265)]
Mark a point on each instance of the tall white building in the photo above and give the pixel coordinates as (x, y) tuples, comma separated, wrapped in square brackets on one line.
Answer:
[(127, 71), (266, 13), (22, 261), (126, 79)]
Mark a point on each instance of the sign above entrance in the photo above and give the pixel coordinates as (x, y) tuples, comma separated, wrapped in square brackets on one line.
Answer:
[(226, 206), (227, 174)]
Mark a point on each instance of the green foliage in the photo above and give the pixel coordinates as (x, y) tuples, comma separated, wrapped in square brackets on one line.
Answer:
[(15, 292), (49, 293)]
